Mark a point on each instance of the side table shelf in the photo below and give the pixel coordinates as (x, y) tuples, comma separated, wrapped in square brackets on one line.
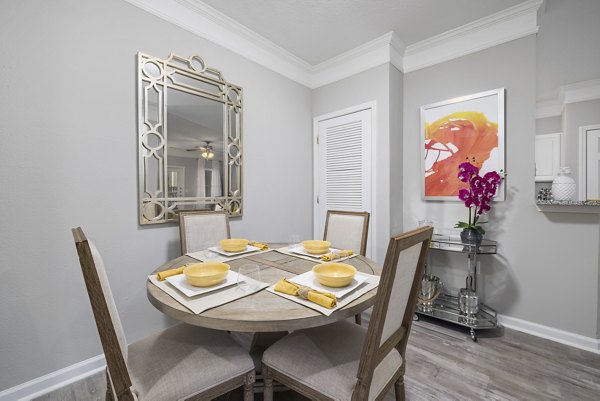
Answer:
[(446, 307)]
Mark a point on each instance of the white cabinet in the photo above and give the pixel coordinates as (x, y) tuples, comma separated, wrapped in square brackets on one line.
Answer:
[(547, 156)]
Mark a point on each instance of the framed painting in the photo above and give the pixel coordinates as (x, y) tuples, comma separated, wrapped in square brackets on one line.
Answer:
[(468, 128)]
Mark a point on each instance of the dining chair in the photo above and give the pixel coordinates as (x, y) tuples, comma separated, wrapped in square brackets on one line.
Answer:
[(181, 362), (197, 228), (344, 361), (348, 230)]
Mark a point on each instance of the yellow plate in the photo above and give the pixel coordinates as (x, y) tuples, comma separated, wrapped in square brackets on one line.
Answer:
[(334, 274), (234, 244), (206, 274), (316, 247)]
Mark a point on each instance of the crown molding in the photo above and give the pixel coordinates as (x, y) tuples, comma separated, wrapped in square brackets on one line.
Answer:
[(572, 93), (203, 20), (504, 26), (387, 48)]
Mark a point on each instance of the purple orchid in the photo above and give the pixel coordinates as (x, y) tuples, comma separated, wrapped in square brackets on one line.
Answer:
[(479, 195)]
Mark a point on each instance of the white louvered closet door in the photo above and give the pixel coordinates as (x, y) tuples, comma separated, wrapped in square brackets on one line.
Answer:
[(344, 167)]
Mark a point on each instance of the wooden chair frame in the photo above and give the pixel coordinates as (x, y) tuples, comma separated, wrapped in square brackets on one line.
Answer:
[(118, 381), (182, 215), (365, 230), (373, 353)]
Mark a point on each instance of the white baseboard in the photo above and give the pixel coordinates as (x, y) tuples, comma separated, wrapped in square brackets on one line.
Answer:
[(550, 333), (52, 381)]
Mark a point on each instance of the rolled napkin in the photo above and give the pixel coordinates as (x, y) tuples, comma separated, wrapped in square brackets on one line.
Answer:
[(261, 245), (324, 299), (168, 273), (328, 257)]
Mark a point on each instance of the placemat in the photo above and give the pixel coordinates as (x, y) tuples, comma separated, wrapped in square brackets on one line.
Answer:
[(201, 256), (286, 250), (371, 283), (203, 302)]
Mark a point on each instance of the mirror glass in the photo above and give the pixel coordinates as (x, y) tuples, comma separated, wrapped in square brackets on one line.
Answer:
[(189, 139)]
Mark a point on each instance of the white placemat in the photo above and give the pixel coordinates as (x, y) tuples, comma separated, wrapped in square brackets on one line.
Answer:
[(286, 250), (371, 283), (309, 279), (180, 282), (203, 302), (201, 256), (220, 251)]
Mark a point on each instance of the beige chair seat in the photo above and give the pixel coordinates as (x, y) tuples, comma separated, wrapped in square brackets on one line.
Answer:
[(183, 361), (326, 359)]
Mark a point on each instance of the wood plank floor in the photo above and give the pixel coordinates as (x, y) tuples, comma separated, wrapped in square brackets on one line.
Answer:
[(444, 364)]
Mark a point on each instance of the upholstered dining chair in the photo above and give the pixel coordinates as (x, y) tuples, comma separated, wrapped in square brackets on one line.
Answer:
[(347, 230), (344, 361), (181, 362), (197, 228)]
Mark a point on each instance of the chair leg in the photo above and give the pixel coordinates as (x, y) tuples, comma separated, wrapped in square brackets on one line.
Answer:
[(358, 319), (268, 384), (399, 389), (249, 386)]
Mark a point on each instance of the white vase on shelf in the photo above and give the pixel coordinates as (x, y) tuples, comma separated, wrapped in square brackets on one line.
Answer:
[(563, 186)]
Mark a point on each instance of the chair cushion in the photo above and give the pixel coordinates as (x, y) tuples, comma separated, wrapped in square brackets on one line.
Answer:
[(326, 359), (184, 360)]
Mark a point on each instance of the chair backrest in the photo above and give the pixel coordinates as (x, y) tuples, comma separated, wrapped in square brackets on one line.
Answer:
[(347, 230), (395, 305), (197, 228), (106, 315)]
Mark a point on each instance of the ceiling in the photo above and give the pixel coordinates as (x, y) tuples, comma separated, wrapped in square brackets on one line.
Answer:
[(317, 30)]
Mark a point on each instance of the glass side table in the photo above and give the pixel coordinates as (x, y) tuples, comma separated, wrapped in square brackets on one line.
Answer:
[(447, 307)]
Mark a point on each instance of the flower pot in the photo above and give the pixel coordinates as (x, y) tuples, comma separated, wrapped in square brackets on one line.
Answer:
[(471, 236)]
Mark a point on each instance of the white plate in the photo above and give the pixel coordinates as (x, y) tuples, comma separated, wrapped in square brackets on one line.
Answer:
[(220, 250), (178, 281), (300, 251), (308, 279)]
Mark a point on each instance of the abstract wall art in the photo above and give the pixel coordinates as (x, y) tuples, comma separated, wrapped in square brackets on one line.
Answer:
[(468, 128)]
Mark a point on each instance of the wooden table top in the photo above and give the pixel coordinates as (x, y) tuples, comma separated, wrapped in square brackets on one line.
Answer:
[(262, 311)]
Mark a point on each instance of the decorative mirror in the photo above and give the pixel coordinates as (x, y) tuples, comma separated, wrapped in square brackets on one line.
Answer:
[(189, 139)]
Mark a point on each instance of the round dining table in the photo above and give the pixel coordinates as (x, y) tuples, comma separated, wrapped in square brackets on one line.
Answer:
[(263, 311)]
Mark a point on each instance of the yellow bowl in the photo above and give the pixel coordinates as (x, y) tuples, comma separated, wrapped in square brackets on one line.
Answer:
[(206, 274), (234, 244), (316, 247), (334, 274)]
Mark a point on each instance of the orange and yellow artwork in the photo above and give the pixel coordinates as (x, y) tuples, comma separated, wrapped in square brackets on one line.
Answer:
[(464, 129)]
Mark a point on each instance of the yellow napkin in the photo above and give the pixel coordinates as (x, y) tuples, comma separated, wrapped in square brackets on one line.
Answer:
[(168, 273), (261, 245), (328, 257), (325, 299)]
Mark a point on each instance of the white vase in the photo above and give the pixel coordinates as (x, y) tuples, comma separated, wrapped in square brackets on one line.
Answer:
[(563, 186)]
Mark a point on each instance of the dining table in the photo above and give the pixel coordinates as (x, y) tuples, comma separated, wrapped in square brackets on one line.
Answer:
[(267, 316)]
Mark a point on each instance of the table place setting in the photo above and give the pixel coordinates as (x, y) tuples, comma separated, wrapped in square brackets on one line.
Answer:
[(326, 288), (228, 250), (203, 286), (317, 251)]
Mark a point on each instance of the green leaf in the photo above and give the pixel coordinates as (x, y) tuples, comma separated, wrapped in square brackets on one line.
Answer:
[(480, 229), (462, 224)]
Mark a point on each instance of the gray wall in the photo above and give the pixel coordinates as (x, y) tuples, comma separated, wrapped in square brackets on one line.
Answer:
[(546, 270), (68, 127), (548, 125), (373, 84)]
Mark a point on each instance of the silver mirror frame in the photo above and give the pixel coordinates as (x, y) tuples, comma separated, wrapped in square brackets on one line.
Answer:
[(189, 75)]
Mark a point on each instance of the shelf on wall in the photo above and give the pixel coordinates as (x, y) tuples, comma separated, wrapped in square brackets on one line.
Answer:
[(569, 206)]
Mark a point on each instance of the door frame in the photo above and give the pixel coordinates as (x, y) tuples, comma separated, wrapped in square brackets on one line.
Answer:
[(372, 105), (583, 159)]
